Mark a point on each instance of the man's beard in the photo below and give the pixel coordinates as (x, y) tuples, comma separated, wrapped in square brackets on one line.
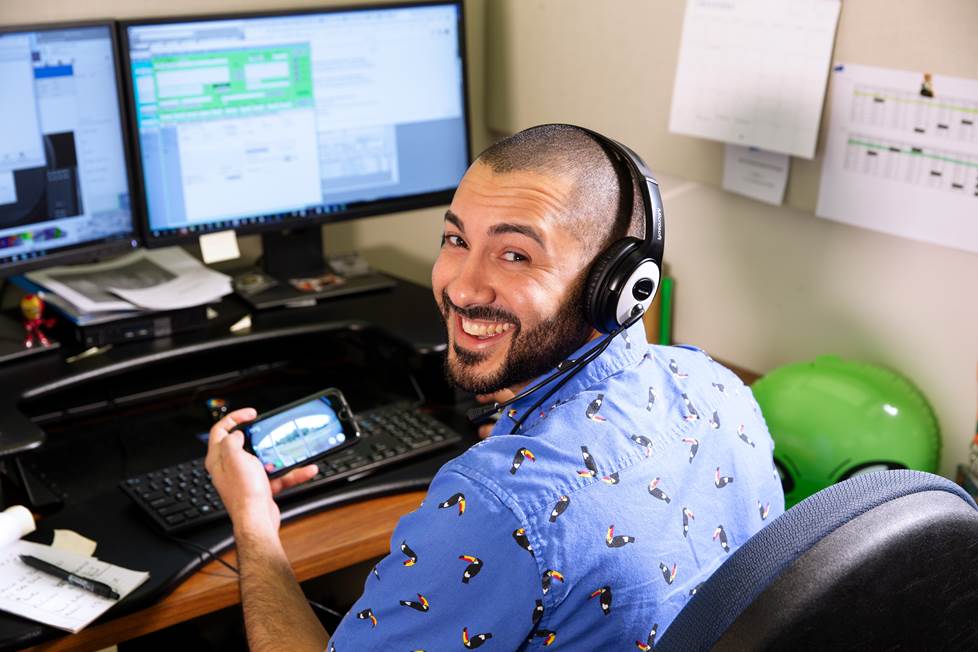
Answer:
[(531, 353)]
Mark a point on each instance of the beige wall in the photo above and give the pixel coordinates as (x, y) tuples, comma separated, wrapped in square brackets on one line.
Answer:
[(406, 243), (759, 285)]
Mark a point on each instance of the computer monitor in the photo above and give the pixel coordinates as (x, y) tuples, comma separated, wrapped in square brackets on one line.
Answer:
[(64, 182), (281, 122)]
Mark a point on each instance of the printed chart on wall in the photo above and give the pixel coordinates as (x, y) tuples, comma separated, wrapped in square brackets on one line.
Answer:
[(902, 155), (752, 72)]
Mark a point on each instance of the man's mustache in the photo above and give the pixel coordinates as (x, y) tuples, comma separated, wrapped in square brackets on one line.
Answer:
[(486, 313)]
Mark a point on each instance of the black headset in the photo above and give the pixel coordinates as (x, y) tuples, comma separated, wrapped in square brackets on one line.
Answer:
[(621, 284), (627, 273)]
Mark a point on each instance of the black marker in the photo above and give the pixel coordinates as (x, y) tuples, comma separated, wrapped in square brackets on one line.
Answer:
[(96, 587)]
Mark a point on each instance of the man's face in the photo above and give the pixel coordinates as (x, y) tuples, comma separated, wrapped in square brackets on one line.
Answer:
[(509, 280)]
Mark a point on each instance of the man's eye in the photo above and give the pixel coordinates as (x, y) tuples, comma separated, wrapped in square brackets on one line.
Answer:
[(452, 240), (513, 257)]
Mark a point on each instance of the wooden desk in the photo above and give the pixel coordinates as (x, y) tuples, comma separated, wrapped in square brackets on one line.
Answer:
[(316, 545)]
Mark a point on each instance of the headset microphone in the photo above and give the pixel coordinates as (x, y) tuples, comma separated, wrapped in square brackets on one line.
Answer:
[(481, 414)]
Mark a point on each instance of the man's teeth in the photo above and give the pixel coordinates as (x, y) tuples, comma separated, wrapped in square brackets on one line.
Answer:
[(483, 329)]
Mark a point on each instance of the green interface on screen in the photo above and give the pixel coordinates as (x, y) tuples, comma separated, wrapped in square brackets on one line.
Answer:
[(231, 83)]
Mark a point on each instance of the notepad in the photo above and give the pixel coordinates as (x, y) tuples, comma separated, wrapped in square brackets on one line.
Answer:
[(32, 594)]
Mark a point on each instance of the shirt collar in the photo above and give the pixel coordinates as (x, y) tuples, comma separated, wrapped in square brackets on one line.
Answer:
[(627, 348)]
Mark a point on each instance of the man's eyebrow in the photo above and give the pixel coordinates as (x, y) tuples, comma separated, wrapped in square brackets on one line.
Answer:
[(521, 229), (455, 220)]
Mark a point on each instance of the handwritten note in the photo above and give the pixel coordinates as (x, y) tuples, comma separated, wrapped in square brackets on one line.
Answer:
[(32, 594)]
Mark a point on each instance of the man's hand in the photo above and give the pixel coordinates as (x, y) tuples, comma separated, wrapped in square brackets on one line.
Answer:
[(242, 482), (498, 397)]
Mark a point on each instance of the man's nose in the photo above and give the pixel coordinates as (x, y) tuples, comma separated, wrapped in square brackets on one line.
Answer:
[(473, 285)]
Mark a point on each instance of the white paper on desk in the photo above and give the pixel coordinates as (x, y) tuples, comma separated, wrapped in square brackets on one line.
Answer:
[(192, 285), (755, 173), (752, 72), (28, 592), (73, 542), (86, 286), (902, 158), (162, 279)]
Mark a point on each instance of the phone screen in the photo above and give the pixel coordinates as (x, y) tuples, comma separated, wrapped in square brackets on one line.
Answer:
[(301, 431)]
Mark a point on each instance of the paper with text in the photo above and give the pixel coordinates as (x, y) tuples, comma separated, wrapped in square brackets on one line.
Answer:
[(902, 154), (755, 173), (752, 72), (28, 592)]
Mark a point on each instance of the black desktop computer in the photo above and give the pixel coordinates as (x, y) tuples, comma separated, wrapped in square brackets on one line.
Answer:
[(277, 123), (64, 182)]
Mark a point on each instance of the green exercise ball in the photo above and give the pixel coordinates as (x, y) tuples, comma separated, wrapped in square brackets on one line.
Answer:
[(832, 419)]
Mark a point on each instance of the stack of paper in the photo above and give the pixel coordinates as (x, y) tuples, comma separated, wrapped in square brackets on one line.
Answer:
[(33, 594), (161, 279)]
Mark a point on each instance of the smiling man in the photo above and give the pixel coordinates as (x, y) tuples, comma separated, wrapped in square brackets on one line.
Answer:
[(586, 522)]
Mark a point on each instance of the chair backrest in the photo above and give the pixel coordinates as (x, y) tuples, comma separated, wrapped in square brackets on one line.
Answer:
[(883, 561)]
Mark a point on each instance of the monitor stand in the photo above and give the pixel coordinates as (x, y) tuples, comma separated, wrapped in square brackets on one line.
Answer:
[(295, 273)]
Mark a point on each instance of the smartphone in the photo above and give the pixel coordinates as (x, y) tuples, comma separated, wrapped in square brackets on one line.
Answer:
[(301, 432)]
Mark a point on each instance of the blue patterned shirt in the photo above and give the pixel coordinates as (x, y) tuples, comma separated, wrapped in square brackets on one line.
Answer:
[(592, 526)]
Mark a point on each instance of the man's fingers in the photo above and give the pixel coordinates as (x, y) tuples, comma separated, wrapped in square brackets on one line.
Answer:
[(234, 440), (486, 430), (294, 477), (231, 419), (226, 423)]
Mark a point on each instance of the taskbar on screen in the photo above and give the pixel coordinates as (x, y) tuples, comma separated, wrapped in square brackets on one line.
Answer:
[(274, 218)]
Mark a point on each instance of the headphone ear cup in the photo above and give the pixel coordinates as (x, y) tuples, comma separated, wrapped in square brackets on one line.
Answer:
[(600, 302)]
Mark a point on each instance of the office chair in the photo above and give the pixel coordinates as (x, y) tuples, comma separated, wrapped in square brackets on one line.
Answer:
[(883, 561)]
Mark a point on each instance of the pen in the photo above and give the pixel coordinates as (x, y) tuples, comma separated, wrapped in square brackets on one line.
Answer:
[(96, 587)]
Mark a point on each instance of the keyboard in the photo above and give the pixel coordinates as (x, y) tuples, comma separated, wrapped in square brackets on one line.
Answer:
[(181, 497)]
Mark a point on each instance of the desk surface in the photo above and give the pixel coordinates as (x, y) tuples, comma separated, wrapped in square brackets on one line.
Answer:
[(352, 539)]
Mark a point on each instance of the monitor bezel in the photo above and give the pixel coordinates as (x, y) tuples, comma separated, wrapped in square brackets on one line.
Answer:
[(372, 209), (89, 251)]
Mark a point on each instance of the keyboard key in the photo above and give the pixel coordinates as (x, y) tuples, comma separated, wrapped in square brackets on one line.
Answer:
[(171, 509), (173, 519), (161, 502)]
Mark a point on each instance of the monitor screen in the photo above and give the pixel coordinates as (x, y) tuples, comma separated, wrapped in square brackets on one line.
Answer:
[(276, 121), (64, 185)]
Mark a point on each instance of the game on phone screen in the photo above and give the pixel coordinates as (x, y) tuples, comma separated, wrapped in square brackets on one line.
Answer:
[(304, 431)]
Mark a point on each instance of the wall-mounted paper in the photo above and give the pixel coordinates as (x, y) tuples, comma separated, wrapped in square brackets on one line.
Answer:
[(755, 173), (752, 72), (902, 155)]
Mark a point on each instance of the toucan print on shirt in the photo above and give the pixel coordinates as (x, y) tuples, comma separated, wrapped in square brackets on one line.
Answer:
[(589, 528)]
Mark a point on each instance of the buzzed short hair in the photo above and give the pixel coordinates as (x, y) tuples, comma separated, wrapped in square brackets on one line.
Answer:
[(605, 204)]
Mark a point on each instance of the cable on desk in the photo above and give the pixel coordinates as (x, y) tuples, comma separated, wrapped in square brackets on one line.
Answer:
[(205, 551), (202, 549)]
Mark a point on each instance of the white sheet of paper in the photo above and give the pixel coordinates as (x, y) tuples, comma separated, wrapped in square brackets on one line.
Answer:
[(8, 190), (901, 162), (755, 173), (215, 247), (178, 281), (32, 594), (752, 72), (73, 542), (72, 283)]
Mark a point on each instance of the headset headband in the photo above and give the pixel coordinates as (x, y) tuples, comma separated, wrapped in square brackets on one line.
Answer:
[(653, 244)]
